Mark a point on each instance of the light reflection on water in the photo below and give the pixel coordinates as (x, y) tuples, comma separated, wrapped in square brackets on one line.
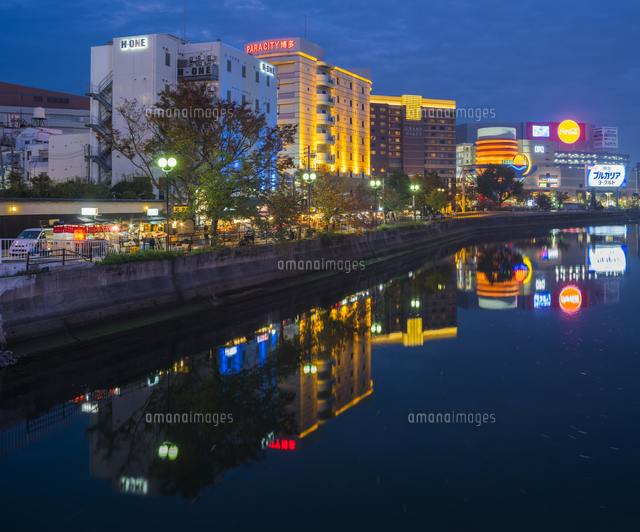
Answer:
[(539, 331)]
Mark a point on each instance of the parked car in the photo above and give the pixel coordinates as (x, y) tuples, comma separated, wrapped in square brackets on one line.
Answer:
[(34, 242)]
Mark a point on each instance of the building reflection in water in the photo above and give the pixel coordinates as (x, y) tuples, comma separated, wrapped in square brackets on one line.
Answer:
[(418, 307), (545, 272), (280, 386)]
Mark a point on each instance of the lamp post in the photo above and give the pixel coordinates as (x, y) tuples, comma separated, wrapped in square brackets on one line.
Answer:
[(414, 189), (375, 184), (308, 179), (166, 166)]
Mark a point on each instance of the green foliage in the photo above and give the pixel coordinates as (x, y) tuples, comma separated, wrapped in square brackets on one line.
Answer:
[(143, 256), (133, 187), (543, 201), (327, 238), (399, 181), (497, 183), (44, 187), (284, 208), (437, 200), (561, 197)]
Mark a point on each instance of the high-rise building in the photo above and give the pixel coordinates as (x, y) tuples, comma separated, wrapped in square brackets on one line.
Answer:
[(413, 134), (140, 67), (329, 104)]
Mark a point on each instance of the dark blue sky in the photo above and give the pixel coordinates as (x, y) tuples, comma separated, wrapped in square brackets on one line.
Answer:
[(528, 60)]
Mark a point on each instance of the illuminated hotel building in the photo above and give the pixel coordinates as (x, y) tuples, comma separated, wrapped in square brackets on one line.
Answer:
[(330, 106), (413, 134)]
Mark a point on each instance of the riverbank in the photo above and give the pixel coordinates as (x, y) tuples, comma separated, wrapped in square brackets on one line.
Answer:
[(60, 302)]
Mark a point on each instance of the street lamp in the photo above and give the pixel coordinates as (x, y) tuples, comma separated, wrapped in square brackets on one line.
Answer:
[(166, 165), (375, 184), (308, 179), (414, 189)]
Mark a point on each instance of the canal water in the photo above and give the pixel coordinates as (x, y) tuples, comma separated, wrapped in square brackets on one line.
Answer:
[(489, 385)]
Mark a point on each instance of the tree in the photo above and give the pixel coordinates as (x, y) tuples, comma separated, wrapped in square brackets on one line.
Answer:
[(400, 182), (283, 209), (498, 182), (593, 203), (329, 195), (437, 200), (133, 187), (634, 199), (225, 150), (392, 201), (560, 197), (543, 201)]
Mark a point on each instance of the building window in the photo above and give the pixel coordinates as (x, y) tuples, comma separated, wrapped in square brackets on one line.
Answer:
[(351, 156), (167, 59), (244, 71), (373, 137), (268, 81), (350, 103), (166, 88), (257, 105), (244, 99), (350, 85), (268, 106), (350, 138), (362, 90), (228, 96), (228, 66), (351, 120), (363, 141), (363, 158), (373, 152), (362, 107), (363, 123), (337, 155), (257, 77), (338, 118)]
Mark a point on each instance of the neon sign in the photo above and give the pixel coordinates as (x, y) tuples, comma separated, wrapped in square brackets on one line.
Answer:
[(287, 445), (605, 175), (127, 44), (568, 131), (268, 46), (570, 299), (520, 272), (542, 300), (540, 131)]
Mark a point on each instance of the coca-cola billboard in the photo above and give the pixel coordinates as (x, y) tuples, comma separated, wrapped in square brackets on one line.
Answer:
[(572, 131)]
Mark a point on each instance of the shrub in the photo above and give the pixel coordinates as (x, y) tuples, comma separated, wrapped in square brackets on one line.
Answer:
[(143, 256)]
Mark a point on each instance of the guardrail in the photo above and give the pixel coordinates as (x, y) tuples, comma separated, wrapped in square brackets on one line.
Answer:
[(43, 251)]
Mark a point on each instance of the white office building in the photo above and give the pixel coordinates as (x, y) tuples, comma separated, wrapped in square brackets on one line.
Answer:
[(140, 67)]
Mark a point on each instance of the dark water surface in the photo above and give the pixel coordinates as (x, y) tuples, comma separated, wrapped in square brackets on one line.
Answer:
[(491, 385)]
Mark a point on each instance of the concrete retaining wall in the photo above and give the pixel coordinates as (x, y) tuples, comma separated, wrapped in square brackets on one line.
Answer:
[(58, 301)]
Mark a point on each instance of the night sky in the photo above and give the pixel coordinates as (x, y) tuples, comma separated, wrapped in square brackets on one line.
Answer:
[(525, 60)]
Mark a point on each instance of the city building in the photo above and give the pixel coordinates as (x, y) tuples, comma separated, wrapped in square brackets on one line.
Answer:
[(465, 155), (413, 134), (329, 104), (566, 156), (29, 117), (22, 106), (142, 66)]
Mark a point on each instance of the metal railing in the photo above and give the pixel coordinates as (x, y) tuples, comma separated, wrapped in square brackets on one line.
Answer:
[(43, 251)]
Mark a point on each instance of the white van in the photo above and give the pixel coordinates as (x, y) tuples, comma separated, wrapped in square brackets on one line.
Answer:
[(34, 242)]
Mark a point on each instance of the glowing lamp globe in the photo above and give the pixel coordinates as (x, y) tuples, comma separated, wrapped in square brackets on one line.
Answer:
[(173, 452), (163, 450)]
